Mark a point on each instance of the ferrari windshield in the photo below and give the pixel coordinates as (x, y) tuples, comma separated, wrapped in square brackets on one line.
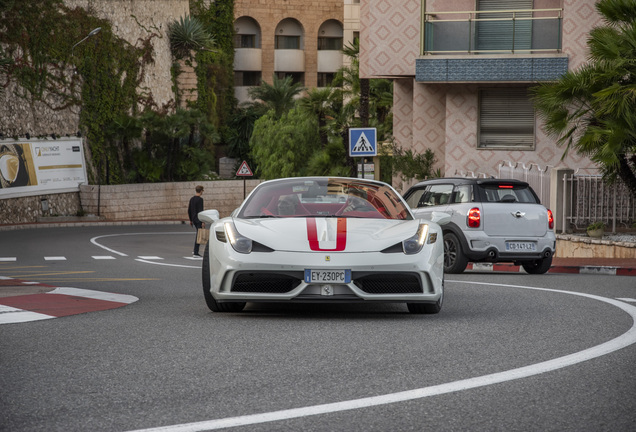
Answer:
[(324, 197)]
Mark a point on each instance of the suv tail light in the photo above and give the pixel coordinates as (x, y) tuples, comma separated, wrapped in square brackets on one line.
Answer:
[(474, 217), (550, 219)]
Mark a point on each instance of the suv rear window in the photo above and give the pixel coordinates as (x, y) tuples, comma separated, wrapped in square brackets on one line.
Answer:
[(507, 193)]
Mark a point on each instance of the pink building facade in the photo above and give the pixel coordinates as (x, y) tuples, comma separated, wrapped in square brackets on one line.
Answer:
[(461, 70)]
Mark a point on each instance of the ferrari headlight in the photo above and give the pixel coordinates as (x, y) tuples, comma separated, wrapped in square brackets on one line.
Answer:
[(414, 244), (240, 243)]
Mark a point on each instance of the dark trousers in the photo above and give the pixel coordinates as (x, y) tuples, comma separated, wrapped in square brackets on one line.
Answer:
[(197, 226)]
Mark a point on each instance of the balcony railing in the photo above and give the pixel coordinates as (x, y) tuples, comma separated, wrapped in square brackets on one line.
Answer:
[(492, 32)]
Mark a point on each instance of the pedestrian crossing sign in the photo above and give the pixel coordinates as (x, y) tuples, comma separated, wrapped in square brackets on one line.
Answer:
[(363, 142), (244, 170)]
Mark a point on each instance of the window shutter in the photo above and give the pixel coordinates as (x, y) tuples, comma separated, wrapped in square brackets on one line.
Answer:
[(498, 35), (506, 118)]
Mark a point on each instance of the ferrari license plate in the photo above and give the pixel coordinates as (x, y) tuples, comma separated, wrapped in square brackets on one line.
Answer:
[(521, 246), (327, 276)]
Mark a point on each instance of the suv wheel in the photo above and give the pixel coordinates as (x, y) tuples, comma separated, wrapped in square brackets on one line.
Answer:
[(539, 266), (454, 259)]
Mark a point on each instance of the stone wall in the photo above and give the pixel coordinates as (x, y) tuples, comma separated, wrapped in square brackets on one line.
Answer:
[(131, 20), (23, 210), (149, 201), (575, 246), (161, 201)]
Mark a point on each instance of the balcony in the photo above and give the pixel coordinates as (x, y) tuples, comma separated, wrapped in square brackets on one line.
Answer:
[(248, 59), (329, 61), (494, 46), (289, 60)]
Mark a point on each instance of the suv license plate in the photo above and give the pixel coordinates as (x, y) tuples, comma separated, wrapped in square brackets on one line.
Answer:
[(521, 246), (327, 276)]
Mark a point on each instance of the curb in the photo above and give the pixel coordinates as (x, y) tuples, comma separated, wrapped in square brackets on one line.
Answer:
[(41, 301), (574, 269)]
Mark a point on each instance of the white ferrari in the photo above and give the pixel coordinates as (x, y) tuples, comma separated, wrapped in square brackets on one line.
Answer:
[(323, 239)]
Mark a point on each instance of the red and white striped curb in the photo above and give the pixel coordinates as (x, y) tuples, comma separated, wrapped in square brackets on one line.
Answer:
[(600, 270), (59, 302)]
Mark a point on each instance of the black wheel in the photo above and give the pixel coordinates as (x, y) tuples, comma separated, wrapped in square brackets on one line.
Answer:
[(454, 259), (427, 308), (539, 266), (209, 300)]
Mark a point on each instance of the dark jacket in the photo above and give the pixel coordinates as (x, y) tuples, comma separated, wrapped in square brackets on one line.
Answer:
[(195, 206)]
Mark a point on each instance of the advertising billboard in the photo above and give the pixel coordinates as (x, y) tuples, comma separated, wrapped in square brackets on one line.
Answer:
[(41, 166)]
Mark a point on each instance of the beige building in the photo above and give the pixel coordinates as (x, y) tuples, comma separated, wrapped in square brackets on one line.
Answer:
[(461, 70), (297, 38)]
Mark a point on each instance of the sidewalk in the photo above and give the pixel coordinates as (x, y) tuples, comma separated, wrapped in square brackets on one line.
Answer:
[(602, 266)]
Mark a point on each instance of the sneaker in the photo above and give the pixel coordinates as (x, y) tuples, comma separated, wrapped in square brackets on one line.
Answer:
[(196, 256)]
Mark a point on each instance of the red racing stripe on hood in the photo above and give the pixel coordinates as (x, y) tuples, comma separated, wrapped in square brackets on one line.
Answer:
[(341, 236)]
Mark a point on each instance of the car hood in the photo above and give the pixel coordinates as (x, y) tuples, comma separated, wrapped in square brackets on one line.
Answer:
[(327, 234)]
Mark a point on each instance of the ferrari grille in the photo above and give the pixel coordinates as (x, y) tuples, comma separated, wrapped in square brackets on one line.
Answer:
[(274, 283), (389, 284)]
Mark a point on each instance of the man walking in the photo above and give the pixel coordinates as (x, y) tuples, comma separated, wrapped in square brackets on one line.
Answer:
[(196, 206)]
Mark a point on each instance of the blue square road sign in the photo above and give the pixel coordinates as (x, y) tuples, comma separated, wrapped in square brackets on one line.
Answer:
[(363, 142)]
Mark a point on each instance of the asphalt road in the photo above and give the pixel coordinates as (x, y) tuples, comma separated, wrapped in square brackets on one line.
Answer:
[(511, 352)]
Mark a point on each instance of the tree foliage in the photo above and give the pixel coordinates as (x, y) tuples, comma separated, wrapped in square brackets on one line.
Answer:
[(281, 146), (591, 110)]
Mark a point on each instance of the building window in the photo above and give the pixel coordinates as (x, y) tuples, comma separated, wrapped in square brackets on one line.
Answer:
[(506, 119), (297, 77), (325, 78), (247, 78), (329, 44), (287, 42), (244, 41)]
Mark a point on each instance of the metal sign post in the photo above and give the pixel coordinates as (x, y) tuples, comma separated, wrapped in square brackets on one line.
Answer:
[(363, 142), (244, 171)]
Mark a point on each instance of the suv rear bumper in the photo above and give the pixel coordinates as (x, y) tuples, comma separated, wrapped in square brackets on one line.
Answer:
[(481, 248)]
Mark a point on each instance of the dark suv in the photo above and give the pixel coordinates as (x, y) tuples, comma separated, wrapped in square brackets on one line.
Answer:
[(492, 220)]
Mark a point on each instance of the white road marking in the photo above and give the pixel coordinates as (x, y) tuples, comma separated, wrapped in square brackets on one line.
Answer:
[(96, 243), (149, 257), (169, 265), (627, 300), (622, 341), (54, 258), (103, 257), (97, 295), (7, 258), (11, 315)]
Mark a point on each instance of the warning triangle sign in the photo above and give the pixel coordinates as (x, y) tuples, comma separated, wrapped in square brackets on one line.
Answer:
[(244, 170), (362, 145)]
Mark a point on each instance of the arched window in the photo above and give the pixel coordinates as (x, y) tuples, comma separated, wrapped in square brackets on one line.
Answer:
[(247, 33), (330, 36)]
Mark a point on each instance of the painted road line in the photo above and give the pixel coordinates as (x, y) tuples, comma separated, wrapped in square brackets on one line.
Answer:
[(150, 257), (94, 240), (626, 339), (168, 265), (54, 258), (97, 295), (103, 257), (7, 259), (631, 300)]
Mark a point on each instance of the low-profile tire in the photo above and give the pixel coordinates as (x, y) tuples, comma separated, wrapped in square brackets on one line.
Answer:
[(427, 308), (539, 266), (209, 300), (454, 259)]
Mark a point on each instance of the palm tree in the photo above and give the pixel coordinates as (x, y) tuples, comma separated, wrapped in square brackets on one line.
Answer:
[(278, 96), (592, 109), (318, 102), (189, 34)]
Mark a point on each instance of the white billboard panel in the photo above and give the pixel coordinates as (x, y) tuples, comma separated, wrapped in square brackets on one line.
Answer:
[(38, 167)]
